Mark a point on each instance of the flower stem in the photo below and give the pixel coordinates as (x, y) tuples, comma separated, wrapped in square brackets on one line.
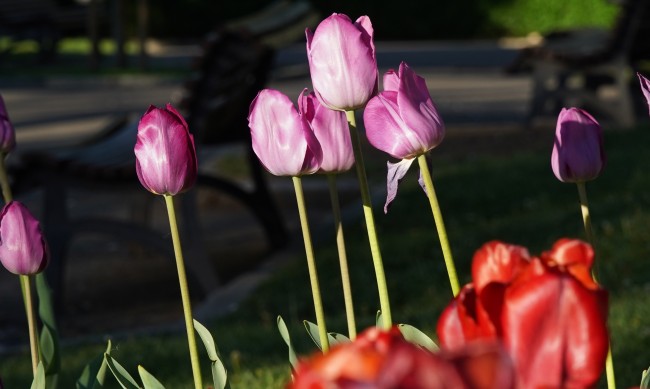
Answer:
[(311, 264), (185, 293), (586, 220), (25, 281), (26, 286), (440, 225), (343, 257), (370, 223)]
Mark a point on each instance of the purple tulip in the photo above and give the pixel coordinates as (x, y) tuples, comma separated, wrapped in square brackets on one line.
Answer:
[(645, 88), (403, 122), (331, 130), (578, 153), (342, 62), (23, 250), (7, 132), (165, 156), (282, 138)]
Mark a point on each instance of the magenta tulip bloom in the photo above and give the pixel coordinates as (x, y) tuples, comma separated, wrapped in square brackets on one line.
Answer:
[(578, 153), (165, 156), (645, 88), (342, 62), (282, 138), (23, 250), (7, 133), (331, 130), (402, 121)]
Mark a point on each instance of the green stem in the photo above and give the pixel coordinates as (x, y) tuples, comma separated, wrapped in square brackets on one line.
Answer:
[(440, 225), (311, 264), (25, 282), (586, 220), (4, 180), (185, 293), (343, 257), (370, 223)]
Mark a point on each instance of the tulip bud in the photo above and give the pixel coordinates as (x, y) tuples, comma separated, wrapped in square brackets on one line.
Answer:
[(281, 137), (165, 156), (331, 130), (7, 133), (402, 120), (342, 62), (578, 153), (645, 88), (23, 250)]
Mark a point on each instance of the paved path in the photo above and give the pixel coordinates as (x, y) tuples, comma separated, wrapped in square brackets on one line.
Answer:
[(465, 81)]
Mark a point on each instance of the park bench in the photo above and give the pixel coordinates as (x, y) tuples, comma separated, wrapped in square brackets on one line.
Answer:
[(233, 67), (571, 68)]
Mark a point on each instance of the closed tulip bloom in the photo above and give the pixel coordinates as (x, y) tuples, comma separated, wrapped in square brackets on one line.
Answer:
[(7, 132), (645, 88), (23, 250), (165, 156), (578, 153), (331, 130), (282, 138), (342, 62)]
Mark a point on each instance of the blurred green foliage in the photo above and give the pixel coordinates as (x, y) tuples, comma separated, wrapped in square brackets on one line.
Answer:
[(408, 19)]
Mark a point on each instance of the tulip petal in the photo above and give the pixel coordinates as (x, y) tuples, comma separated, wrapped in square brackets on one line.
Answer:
[(418, 111), (396, 171), (498, 262), (281, 137), (645, 88), (391, 81), (385, 129), (555, 330)]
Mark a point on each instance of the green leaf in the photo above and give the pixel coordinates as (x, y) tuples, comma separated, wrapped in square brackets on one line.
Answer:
[(645, 379), (121, 375), (284, 332), (219, 373), (208, 341), (417, 337), (149, 381), (312, 330), (336, 338), (39, 377), (94, 373), (49, 339)]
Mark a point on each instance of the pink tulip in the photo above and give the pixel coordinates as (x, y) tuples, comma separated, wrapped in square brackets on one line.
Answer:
[(282, 138), (578, 153), (331, 130), (7, 132), (165, 157), (342, 62), (23, 250), (403, 122), (645, 87)]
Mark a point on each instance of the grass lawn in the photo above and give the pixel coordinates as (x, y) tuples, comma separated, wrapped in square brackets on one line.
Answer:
[(512, 197)]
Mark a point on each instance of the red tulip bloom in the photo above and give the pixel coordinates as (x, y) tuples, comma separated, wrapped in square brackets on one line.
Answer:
[(383, 359), (548, 311)]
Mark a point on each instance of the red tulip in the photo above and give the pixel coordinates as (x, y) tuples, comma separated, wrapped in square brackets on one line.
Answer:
[(383, 359), (498, 262), (23, 249), (165, 156)]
